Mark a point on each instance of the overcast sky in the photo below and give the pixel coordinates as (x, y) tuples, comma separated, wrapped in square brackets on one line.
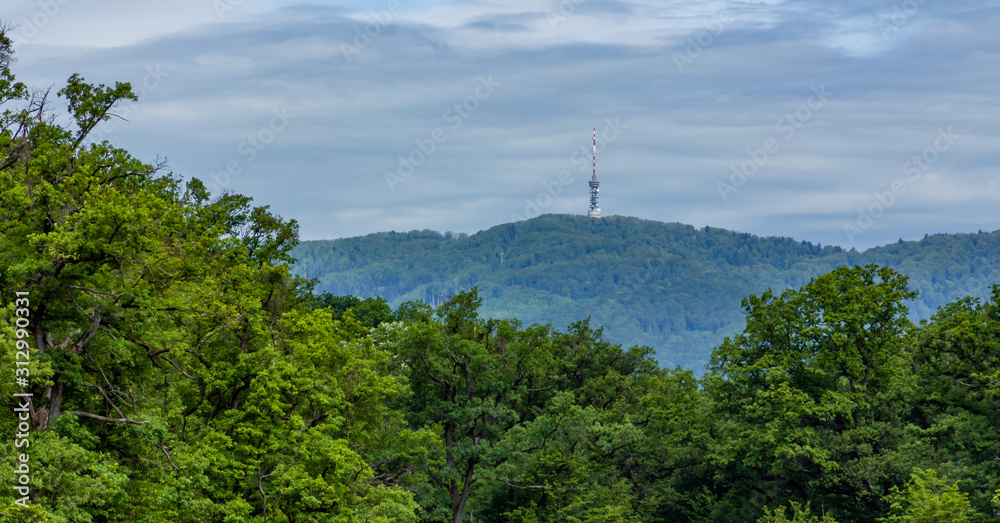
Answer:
[(852, 123)]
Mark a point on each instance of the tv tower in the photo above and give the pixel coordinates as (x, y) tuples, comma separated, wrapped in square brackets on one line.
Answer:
[(595, 211)]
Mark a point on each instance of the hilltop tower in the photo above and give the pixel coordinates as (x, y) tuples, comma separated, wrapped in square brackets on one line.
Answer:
[(595, 211)]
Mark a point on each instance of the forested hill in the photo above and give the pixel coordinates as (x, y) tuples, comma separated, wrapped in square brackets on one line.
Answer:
[(667, 285)]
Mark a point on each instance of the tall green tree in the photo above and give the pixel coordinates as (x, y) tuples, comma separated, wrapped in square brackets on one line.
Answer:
[(530, 419), (669, 469), (176, 373), (956, 404), (473, 381), (809, 396)]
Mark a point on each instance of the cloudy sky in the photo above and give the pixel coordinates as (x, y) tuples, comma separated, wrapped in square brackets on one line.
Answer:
[(852, 123)]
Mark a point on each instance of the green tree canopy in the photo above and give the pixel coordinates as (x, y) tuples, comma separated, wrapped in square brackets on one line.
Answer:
[(808, 395), (928, 498), (175, 374)]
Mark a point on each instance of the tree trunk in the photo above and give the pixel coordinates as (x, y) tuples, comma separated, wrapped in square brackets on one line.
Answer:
[(458, 505), (55, 404)]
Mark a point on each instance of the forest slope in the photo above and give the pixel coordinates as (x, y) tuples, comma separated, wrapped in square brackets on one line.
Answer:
[(667, 285)]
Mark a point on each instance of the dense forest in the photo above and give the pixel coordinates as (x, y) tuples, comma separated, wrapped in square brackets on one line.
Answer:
[(162, 362), (669, 286)]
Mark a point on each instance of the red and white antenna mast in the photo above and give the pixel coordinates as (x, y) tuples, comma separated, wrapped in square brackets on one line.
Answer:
[(595, 211)]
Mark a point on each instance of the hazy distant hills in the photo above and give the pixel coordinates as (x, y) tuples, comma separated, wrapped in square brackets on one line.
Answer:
[(666, 285)]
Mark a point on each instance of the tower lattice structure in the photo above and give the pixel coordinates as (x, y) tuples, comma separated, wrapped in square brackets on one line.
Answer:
[(595, 210)]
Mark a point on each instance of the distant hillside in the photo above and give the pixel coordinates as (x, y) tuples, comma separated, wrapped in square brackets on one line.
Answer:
[(666, 285)]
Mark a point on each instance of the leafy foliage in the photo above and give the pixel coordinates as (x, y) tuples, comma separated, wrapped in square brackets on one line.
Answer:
[(928, 498), (799, 515), (809, 393), (176, 373)]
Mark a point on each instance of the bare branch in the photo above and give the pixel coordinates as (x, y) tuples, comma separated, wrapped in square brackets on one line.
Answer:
[(107, 419), (95, 291), (537, 487), (106, 398), (167, 454), (179, 369)]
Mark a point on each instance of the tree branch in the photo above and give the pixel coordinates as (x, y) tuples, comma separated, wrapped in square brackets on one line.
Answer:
[(538, 487), (107, 399), (107, 419), (84, 339), (167, 454)]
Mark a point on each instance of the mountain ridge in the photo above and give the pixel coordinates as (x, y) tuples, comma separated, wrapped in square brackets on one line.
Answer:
[(671, 286)]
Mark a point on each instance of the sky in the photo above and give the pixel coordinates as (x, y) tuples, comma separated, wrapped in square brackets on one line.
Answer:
[(851, 123)]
